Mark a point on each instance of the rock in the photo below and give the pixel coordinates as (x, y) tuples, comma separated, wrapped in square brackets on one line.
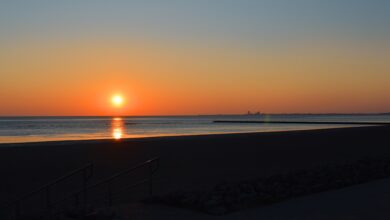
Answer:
[(259, 186), (211, 203), (246, 187), (188, 201), (223, 187), (229, 200), (217, 210)]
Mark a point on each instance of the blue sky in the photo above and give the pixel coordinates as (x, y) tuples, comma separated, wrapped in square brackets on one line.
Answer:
[(244, 19)]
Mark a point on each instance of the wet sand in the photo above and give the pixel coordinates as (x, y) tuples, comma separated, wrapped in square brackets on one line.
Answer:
[(190, 162)]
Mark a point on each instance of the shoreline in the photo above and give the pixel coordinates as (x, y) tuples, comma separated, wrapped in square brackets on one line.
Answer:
[(173, 136)]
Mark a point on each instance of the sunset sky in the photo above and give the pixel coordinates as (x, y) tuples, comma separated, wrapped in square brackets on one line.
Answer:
[(180, 57)]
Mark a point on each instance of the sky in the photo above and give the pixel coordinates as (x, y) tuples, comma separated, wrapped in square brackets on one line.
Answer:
[(181, 57)]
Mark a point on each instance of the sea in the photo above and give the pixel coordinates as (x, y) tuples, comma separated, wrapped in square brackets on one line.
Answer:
[(38, 129)]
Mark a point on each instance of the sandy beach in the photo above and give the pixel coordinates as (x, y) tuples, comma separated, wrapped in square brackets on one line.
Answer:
[(190, 162)]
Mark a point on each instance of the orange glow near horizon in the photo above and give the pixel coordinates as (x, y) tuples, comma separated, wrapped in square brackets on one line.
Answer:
[(142, 77)]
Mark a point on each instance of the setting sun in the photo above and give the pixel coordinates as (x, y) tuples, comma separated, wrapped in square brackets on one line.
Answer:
[(117, 100)]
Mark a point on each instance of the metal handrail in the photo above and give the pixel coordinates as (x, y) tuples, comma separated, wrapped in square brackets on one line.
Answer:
[(115, 176), (86, 176), (149, 179), (46, 188), (108, 180)]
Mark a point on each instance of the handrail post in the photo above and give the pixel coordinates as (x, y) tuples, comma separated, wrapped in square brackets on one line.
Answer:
[(152, 170), (150, 179), (84, 208), (76, 200), (109, 195)]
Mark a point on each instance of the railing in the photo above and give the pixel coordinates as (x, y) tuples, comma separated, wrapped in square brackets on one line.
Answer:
[(86, 171), (81, 196), (152, 164)]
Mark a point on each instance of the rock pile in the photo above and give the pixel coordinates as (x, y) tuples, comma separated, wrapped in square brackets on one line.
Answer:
[(230, 197), (76, 214)]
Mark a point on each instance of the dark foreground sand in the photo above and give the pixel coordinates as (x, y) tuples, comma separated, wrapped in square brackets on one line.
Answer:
[(369, 201), (190, 162)]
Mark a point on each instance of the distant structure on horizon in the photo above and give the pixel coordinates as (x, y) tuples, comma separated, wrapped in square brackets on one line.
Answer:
[(255, 113)]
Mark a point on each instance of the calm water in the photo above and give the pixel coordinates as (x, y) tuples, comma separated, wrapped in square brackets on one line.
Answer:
[(31, 129)]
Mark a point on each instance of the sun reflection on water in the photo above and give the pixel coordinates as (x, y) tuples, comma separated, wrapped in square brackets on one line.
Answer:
[(117, 127)]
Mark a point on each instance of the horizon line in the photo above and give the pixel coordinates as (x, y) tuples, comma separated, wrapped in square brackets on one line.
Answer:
[(188, 115)]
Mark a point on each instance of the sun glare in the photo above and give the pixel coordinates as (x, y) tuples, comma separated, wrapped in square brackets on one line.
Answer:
[(117, 100), (117, 128), (117, 133)]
